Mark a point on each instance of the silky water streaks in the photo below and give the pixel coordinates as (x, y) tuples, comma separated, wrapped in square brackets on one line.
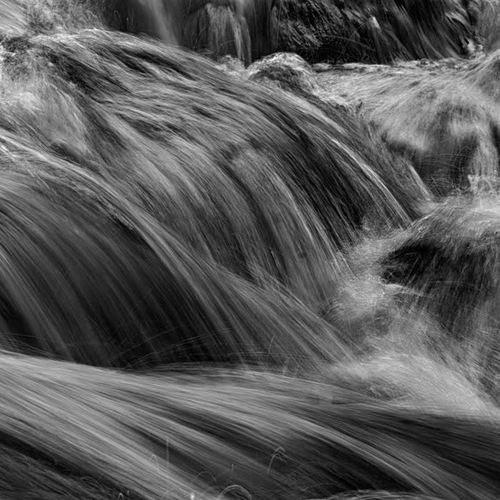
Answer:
[(172, 240)]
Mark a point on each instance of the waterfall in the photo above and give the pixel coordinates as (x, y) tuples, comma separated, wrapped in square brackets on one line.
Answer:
[(241, 28)]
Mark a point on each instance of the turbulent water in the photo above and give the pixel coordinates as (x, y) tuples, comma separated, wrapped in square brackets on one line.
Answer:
[(228, 284)]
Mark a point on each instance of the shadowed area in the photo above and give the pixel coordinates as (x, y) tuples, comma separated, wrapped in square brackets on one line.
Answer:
[(319, 30)]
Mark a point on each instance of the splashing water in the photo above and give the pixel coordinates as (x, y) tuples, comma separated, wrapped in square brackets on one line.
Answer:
[(182, 311)]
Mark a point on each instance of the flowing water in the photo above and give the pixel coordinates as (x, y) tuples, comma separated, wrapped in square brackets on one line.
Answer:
[(212, 288)]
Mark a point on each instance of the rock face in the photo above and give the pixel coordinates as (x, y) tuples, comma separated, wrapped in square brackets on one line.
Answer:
[(285, 70), (290, 72), (318, 30), (340, 31), (452, 259)]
